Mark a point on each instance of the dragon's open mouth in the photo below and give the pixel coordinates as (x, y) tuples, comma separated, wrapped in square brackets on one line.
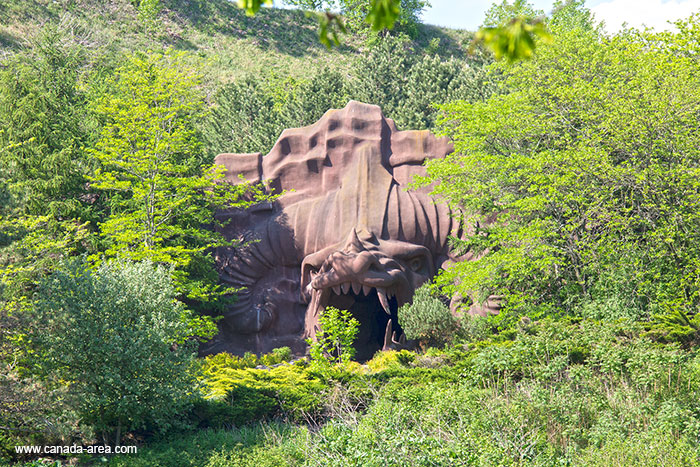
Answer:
[(369, 278), (376, 309)]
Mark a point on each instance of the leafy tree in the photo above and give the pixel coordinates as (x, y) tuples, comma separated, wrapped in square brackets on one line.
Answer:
[(163, 194), (581, 181), (333, 343), (118, 337)]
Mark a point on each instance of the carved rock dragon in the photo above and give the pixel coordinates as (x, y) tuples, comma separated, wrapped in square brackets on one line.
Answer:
[(346, 232)]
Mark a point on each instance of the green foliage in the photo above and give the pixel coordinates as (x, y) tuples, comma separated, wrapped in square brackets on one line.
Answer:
[(514, 41), (675, 325), (333, 342), (378, 15), (511, 30), (500, 14), (235, 393), (44, 200), (387, 359), (45, 123), (560, 393), (649, 449), (406, 85), (575, 392), (45, 209), (152, 163), (428, 319), (249, 360), (119, 339), (578, 181), (269, 445), (249, 115)]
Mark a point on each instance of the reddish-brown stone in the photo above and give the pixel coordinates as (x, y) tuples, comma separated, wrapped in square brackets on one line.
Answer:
[(346, 232)]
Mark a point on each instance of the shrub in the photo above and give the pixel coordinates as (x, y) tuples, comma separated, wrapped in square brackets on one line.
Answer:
[(334, 341), (390, 358), (427, 319), (118, 336), (237, 396)]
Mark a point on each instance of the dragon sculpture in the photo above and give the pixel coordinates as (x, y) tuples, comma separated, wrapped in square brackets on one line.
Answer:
[(344, 232)]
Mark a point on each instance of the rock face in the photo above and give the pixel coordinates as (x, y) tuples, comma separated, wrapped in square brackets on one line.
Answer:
[(345, 233)]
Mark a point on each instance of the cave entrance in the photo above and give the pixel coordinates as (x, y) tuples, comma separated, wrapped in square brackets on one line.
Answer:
[(373, 319)]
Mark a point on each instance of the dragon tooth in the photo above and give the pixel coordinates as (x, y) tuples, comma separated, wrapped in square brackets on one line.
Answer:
[(387, 336), (356, 288), (366, 289), (383, 300), (345, 287), (315, 305), (336, 289)]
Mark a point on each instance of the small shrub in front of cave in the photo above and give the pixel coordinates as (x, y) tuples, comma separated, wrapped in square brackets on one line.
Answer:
[(428, 319), (232, 393), (334, 341)]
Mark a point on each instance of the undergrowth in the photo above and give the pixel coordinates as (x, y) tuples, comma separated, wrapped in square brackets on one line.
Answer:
[(569, 392)]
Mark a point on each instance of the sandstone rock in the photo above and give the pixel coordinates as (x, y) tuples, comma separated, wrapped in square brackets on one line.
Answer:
[(346, 232)]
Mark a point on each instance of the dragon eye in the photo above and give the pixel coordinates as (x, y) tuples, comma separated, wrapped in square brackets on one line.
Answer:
[(415, 264)]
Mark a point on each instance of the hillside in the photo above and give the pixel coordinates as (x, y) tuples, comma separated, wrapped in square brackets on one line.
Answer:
[(229, 43)]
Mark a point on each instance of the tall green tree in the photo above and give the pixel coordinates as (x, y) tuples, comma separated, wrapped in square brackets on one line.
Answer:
[(43, 165), (580, 182), (162, 191)]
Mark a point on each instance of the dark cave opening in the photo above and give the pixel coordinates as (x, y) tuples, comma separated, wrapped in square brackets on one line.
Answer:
[(373, 319)]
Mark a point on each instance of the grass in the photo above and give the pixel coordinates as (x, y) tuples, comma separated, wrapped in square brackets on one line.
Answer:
[(228, 43)]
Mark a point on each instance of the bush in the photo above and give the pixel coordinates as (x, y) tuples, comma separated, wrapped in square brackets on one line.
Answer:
[(237, 396), (333, 342), (427, 319), (389, 359), (119, 337)]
